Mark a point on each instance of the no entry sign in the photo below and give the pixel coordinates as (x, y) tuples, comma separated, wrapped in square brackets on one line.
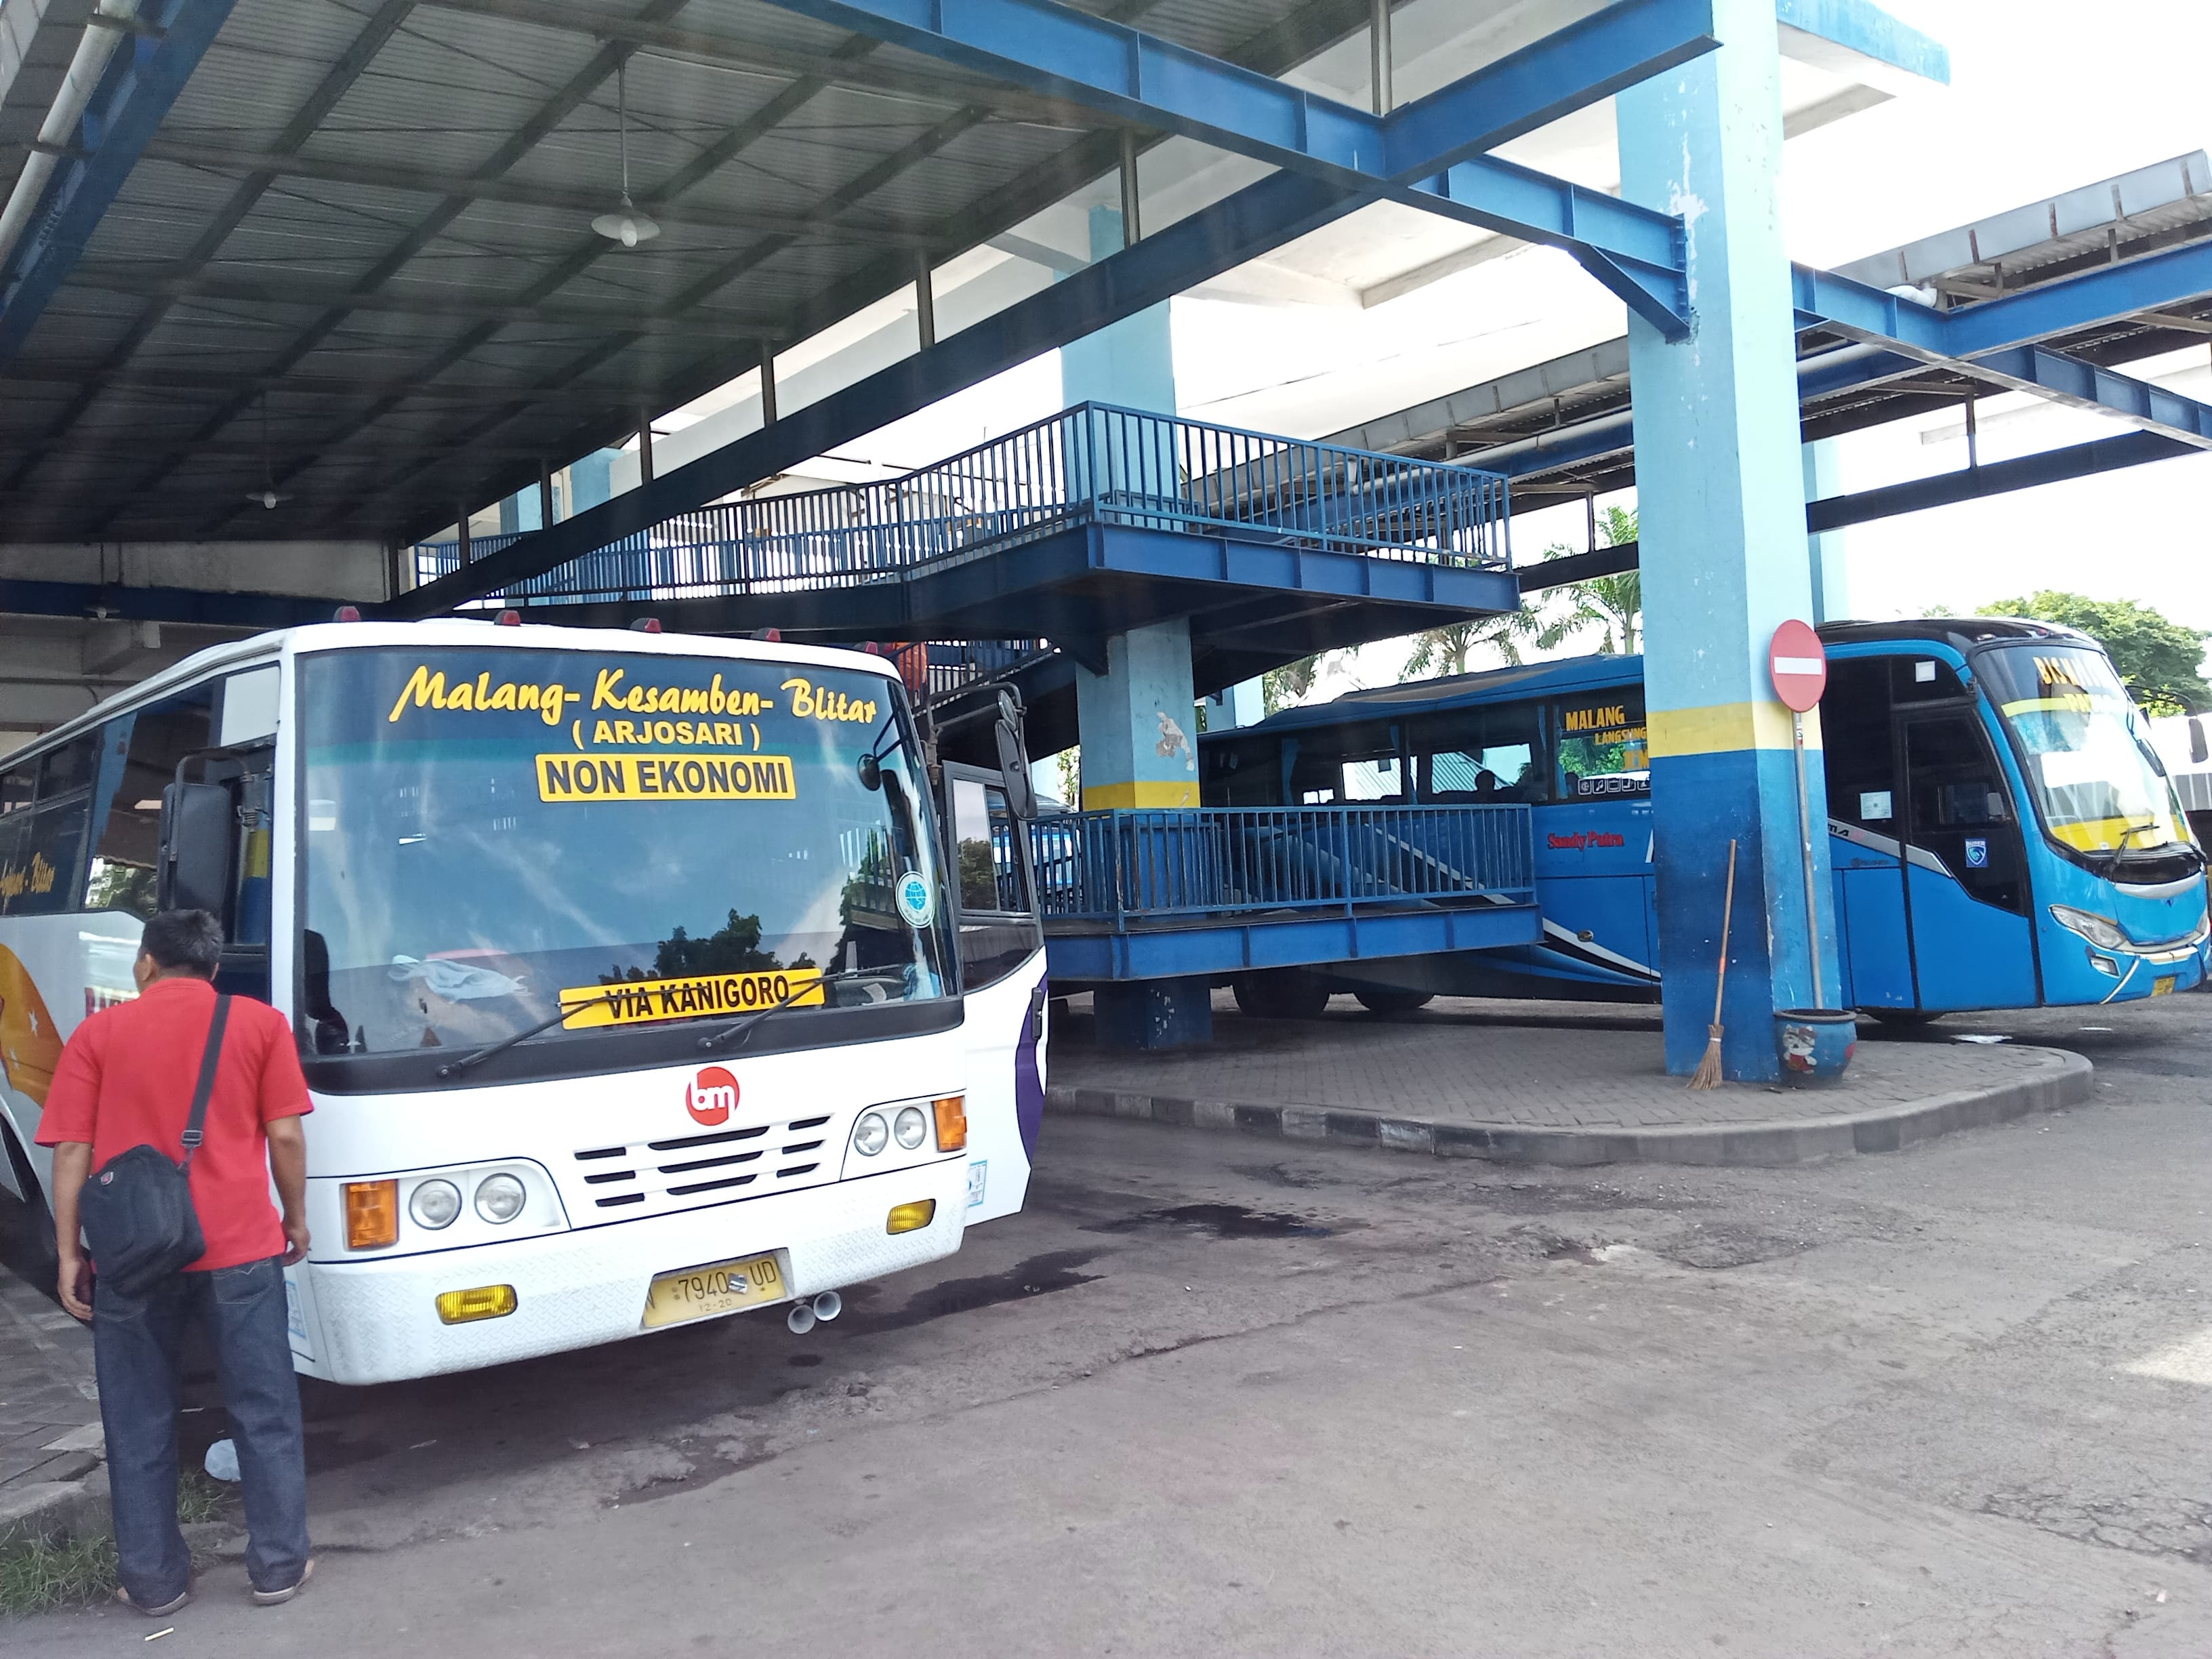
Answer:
[(1799, 665)]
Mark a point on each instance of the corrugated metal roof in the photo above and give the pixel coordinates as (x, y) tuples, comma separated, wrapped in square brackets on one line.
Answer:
[(394, 256)]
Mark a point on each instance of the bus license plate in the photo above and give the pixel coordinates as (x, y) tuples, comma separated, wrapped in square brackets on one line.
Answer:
[(2163, 985), (723, 1288)]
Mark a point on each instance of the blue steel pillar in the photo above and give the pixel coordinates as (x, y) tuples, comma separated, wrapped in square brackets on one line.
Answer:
[(1832, 587), (1135, 720), (1721, 500)]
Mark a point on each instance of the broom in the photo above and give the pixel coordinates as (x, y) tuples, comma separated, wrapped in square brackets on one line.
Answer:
[(1708, 1074)]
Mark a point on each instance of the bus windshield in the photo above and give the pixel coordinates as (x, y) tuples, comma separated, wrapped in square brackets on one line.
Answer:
[(492, 835), (2085, 749)]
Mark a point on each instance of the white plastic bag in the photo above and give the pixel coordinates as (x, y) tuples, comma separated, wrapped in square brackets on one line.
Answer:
[(222, 1461)]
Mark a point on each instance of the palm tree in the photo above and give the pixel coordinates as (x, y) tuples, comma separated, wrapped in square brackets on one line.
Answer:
[(1614, 604), (1451, 650)]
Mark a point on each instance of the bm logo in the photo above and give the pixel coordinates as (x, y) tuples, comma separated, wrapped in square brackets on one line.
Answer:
[(711, 1096)]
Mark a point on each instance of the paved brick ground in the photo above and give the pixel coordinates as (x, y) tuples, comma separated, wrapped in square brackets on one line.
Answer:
[(1524, 1065), (49, 1407)]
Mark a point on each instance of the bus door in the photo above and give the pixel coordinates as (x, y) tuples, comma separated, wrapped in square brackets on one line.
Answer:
[(1966, 870), (1002, 968)]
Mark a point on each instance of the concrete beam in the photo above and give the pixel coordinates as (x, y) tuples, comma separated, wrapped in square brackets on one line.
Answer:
[(326, 572), (1858, 41)]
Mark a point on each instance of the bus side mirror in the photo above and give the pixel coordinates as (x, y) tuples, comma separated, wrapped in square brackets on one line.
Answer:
[(1014, 766), (2197, 752), (197, 822)]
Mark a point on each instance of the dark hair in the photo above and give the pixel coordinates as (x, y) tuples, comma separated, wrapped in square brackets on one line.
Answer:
[(184, 941)]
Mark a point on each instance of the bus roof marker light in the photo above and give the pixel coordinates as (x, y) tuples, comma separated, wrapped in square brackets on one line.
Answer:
[(346, 613), (509, 619), (646, 625)]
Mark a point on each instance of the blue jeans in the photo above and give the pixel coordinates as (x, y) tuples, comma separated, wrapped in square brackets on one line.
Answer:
[(135, 1343)]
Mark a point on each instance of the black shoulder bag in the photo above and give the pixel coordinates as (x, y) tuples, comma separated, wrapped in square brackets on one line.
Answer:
[(137, 1209)]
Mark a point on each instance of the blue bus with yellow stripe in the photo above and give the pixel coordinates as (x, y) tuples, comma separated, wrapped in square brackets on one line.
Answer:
[(2001, 833)]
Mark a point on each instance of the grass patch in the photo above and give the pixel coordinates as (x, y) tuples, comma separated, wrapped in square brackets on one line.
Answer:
[(201, 1497), (40, 1575), (44, 1574)]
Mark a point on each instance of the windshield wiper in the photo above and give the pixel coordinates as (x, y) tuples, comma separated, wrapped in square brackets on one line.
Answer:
[(2134, 828), (477, 1056), (738, 1027)]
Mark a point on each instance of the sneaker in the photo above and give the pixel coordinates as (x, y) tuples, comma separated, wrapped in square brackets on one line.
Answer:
[(161, 1611), (278, 1597)]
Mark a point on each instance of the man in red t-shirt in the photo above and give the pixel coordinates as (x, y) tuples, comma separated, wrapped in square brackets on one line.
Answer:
[(126, 1079)]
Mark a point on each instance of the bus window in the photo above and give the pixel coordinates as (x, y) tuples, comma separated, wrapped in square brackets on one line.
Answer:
[(1356, 765), (1858, 750), (1603, 748), (1957, 807), (1922, 679), (1475, 755), (154, 740), (998, 931), (47, 806), (1243, 774)]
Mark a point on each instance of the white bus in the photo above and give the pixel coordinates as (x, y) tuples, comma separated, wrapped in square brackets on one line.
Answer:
[(638, 978)]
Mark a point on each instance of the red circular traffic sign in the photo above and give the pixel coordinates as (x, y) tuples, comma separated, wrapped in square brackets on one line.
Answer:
[(1799, 665)]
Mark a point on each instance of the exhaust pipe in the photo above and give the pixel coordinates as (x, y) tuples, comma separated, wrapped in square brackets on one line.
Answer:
[(800, 1318), (828, 1306)]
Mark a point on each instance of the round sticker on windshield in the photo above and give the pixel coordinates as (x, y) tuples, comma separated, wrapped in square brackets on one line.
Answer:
[(917, 902)]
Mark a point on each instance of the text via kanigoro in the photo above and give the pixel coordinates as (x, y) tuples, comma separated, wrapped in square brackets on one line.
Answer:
[(641, 1001)]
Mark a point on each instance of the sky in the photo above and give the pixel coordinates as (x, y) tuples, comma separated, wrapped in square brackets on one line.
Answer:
[(2045, 95)]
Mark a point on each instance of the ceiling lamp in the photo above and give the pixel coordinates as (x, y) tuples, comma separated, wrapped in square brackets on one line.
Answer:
[(266, 495), (627, 225)]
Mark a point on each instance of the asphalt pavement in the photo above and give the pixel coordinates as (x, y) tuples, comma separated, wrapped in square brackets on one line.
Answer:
[(1219, 1396)]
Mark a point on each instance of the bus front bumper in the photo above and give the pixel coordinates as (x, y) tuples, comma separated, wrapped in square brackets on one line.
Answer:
[(377, 1320)]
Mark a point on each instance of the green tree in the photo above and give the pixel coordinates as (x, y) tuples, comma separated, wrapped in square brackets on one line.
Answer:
[(1452, 649), (1547, 620), (1614, 604), (1280, 688), (2160, 661)]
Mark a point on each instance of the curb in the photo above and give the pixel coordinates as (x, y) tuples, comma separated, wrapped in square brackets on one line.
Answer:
[(55, 1509), (2061, 1080)]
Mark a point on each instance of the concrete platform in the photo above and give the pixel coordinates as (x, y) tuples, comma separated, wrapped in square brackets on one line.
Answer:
[(51, 1475), (1544, 1083)]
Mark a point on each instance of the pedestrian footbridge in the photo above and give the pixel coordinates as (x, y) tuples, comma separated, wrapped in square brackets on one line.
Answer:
[(1083, 525), (1222, 890)]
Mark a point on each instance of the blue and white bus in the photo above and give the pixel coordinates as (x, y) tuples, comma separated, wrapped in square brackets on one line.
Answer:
[(2002, 832)]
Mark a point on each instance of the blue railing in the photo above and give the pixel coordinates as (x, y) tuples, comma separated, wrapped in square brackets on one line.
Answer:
[(1129, 868), (1090, 464)]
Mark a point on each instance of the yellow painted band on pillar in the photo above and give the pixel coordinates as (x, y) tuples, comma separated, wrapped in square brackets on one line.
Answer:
[(1724, 727), (1147, 795)]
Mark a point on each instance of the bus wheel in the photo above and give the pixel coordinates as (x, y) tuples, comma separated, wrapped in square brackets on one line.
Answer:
[(31, 1253), (1387, 1000), (1281, 994), (1907, 1017)]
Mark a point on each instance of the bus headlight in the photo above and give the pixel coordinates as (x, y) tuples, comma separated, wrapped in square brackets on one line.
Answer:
[(870, 1134), (910, 1126), (434, 1205), (500, 1198), (2098, 930)]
